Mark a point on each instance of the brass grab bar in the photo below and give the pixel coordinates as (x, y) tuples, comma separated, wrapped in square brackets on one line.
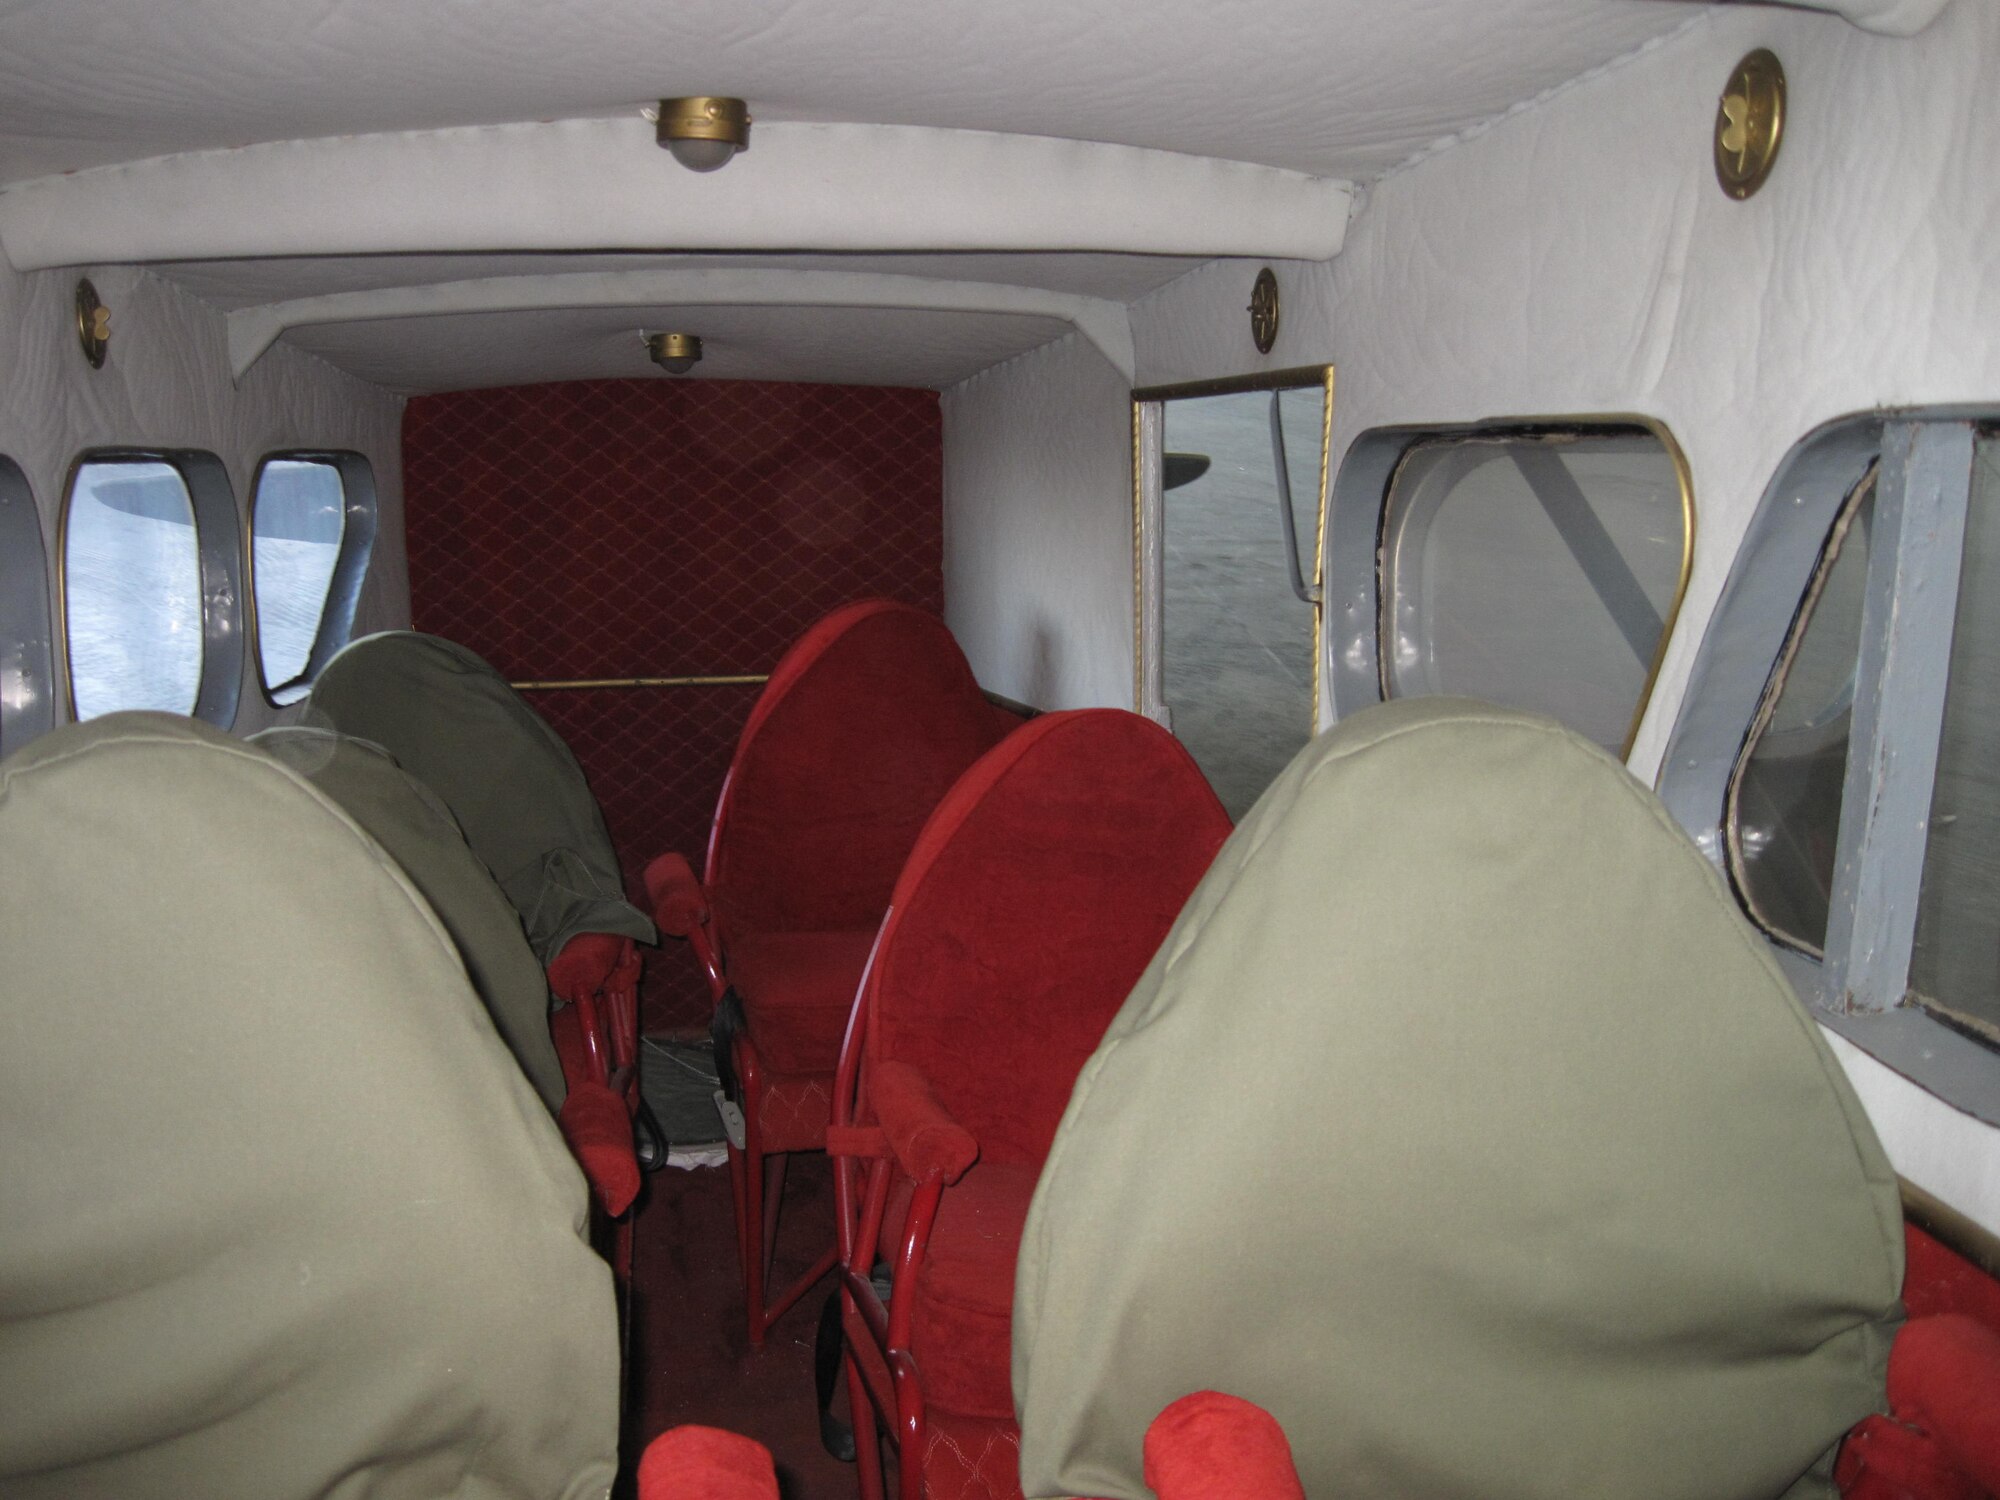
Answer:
[(564, 684)]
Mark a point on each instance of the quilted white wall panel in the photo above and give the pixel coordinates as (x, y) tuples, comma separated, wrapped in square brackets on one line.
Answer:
[(1579, 257), (166, 383), (1038, 527)]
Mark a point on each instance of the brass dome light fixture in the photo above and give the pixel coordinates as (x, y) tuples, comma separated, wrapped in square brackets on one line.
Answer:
[(703, 131), (676, 353)]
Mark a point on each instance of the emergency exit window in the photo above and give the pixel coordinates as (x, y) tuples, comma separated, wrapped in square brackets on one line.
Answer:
[(132, 588), (298, 519), (1536, 567)]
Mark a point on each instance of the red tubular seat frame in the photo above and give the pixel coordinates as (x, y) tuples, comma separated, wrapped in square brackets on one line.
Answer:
[(864, 725), (1037, 894)]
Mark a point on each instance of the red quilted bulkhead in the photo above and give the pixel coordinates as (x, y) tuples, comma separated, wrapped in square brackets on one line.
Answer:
[(660, 528)]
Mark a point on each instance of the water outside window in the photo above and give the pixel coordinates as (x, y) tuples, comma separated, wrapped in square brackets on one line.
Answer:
[(132, 584), (1237, 643), (299, 516)]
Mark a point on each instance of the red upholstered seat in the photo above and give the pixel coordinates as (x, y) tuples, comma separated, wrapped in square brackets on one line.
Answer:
[(1035, 896), (865, 723), (964, 1295), (797, 990)]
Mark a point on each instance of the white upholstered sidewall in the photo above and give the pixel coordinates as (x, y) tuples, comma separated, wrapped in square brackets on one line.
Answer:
[(1579, 257), (1038, 526), (166, 384)]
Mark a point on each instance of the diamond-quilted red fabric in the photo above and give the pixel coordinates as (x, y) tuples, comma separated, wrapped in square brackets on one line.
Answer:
[(656, 528), (971, 1458)]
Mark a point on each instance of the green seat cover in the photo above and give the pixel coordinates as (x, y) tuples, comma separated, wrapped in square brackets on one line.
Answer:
[(1462, 1122), (456, 725), (279, 1216), (407, 819)]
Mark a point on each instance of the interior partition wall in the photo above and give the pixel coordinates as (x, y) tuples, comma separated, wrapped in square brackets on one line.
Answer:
[(643, 551)]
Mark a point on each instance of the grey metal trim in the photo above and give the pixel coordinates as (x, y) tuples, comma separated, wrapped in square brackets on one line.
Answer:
[(1930, 1054), (350, 568), (1745, 636), (1774, 564), (27, 633), (1358, 509), (219, 546), (1914, 554)]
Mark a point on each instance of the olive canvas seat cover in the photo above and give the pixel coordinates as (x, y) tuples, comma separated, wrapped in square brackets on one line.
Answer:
[(406, 818), (1463, 1123), (456, 725), (279, 1216)]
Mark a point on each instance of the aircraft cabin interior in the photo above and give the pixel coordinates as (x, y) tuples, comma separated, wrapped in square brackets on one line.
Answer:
[(767, 751)]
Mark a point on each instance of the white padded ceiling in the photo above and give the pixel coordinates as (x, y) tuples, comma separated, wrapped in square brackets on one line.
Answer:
[(1341, 88), (419, 124)]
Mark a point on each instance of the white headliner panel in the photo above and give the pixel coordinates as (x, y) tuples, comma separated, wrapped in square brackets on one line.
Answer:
[(230, 284), (605, 185), (252, 330), (1340, 88), (841, 346)]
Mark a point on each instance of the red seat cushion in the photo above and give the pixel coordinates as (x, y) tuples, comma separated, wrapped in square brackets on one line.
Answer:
[(797, 989), (964, 1308)]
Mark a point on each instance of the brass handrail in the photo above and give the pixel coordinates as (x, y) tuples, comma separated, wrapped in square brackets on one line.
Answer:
[(565, 684)]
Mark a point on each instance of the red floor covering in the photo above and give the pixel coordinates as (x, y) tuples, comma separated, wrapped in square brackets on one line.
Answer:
[(690, 1358)]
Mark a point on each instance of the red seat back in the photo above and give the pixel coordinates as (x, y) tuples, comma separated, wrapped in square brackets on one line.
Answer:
[(1032, 902), (864, 725)]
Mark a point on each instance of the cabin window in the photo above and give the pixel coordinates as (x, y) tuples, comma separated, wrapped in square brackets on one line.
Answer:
[(312, 527), (1227, 520), (1784, 799), (150, 586), (1852, 790), (1535, 567), (27, 700), (1955, 964)]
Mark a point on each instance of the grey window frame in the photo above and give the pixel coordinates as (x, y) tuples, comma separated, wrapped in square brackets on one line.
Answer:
[(27, 630), (1922, 492), (1355, 672), (218, 533), (350, 567)]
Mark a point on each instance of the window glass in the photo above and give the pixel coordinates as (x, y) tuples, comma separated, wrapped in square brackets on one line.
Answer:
[(1955, 965), (1784, 799), (1534, 568), (132, 588), (1236, 641), (298, 517)]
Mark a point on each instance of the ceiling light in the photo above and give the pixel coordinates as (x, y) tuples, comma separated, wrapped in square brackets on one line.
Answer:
[(703, 132), (676, 353)]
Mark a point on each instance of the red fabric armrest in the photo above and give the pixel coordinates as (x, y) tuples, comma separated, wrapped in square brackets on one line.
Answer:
[(586, 965), (706, 1463), (1209, 1446), (927, 1140), (679, 903), (1944, 1377), (599, 1131)]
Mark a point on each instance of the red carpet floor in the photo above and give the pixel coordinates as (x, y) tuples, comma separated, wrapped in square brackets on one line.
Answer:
[(690, 1358)]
